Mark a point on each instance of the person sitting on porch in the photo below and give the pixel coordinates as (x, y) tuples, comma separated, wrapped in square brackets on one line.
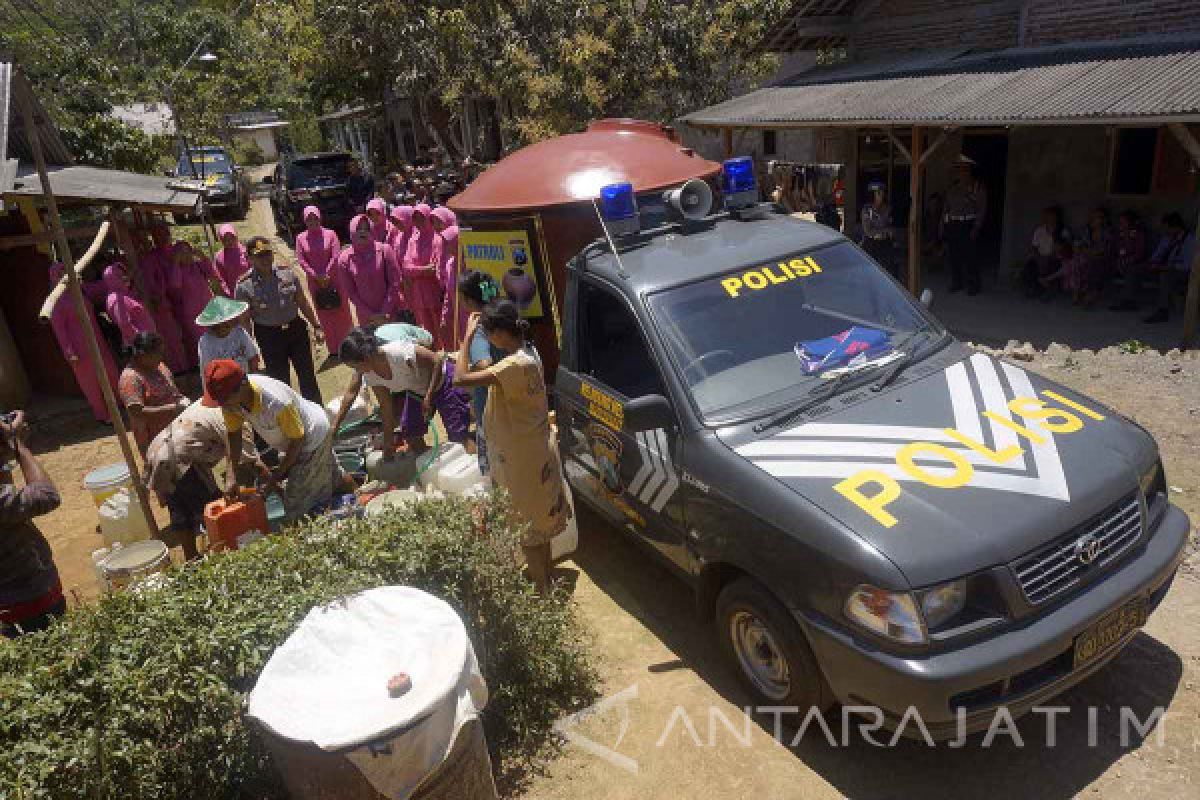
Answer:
[(1043, 260), (1170, 264), (1098, 247), (1131, 258), (1070, 276), (877, 227)]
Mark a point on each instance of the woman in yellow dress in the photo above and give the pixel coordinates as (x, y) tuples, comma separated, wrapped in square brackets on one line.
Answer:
[(521, 449)]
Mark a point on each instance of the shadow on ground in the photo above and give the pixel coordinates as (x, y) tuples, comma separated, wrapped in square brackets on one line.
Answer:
[(1143, 677)]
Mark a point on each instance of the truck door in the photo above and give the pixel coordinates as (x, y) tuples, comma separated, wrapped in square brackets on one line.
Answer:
[(629, 475)]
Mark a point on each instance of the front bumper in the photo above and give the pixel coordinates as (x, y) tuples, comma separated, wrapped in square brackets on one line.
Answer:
[(222, 200), (1019, 668)]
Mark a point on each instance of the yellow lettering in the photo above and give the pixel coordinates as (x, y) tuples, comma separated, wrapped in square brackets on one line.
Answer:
[(732, 285), (754, 280), (786, 270), (800, 268), (1036, 409), (963, 471), (771, 276), (1016, 428), (997, 456), (812, 263), (1087, 412), (876, 504)]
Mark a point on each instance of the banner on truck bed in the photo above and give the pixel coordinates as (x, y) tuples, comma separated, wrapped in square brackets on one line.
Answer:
[(511, 259)]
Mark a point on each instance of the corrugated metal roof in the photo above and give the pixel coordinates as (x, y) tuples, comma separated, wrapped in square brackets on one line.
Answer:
[(94, 185), (1069, 84)]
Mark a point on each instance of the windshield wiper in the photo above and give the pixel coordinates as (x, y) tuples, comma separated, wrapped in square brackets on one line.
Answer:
[(814, 398), (904, 363)]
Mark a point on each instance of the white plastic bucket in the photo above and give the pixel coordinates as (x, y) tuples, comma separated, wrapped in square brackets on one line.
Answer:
[(429, 464), (103, 482), (134, 562), (459, 475), (122, 520), (397, 498)]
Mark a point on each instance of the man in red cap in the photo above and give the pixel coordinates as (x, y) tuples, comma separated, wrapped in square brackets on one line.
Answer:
[(297, 428)]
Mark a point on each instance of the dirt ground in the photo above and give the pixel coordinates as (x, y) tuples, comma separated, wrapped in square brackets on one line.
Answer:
[(646, 636)]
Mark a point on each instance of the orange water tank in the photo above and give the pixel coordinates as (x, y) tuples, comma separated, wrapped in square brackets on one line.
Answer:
[(226, 521)]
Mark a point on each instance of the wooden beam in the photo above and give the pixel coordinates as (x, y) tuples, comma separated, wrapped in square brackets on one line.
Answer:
[(938, 142), (899, 145), (914, 216), (46, 237), (24, 101), (1191, 303)]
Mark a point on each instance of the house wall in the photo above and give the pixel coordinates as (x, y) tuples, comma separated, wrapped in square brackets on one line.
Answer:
[(909, 25), (1068, 167), (1055, 21)]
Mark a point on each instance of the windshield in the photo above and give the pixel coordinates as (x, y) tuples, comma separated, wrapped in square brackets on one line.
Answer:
[(755, 339), (317, 172), (206, 164)]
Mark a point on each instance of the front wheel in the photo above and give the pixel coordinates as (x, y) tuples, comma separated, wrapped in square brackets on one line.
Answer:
[(768, 650)]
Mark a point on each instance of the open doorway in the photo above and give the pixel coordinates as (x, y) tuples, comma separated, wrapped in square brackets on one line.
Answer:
[(990, 152)]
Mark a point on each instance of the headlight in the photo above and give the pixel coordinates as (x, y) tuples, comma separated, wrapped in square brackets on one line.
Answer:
[(890, 614), (942, 602)]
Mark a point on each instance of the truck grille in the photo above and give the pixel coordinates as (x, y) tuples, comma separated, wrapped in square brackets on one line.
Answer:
[(1056, 568)]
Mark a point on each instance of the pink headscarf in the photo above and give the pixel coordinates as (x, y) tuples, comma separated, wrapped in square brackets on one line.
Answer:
[(402, 217), (423, 244), (358, 247), (115, 279), (381, 232), (223, 231), (445, 216), (314, 239), (231, 260), (310, 210)]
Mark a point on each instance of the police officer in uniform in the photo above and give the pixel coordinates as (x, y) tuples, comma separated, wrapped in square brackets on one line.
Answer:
[(966, 207), (877, 227)]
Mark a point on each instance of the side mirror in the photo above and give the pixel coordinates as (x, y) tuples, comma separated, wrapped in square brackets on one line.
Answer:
[(647, 413), (927, 298), (268, 179)]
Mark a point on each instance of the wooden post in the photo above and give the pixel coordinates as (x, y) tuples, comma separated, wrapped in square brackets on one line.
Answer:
[(1191, 305), (23, 93), (728, 136), (914, 215)]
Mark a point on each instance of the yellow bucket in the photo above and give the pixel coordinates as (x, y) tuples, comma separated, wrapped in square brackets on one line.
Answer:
[(104, 482)]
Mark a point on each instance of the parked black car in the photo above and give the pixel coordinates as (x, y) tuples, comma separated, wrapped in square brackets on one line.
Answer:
[(228, 190), (317, 179)]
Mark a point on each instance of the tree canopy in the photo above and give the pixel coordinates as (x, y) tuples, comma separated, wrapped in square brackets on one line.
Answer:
[(544, 66)]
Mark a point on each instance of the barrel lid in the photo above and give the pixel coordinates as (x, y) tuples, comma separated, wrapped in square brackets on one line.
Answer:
[(107, 475), (133, 557)]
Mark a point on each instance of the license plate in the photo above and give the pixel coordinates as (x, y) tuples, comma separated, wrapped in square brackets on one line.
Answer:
[(1106, 633)]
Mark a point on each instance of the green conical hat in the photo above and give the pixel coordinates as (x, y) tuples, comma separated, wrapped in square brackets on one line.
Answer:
[(220, 309)]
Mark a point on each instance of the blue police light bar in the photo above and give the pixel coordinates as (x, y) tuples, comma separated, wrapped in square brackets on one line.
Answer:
[(737, 182), (618, 208)]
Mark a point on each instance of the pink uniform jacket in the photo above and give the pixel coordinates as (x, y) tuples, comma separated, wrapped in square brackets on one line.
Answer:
[(367, 276), (231, 262), (123, 308)]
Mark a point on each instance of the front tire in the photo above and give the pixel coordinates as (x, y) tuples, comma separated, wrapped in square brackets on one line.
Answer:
[(768, 650)]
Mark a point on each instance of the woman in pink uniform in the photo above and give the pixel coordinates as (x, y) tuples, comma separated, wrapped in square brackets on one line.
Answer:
[(453, 320), (69, 332), (369, 276), (157, 267), (192, 285), (381, 228), (317, 251), (401, 229), (231, 261), (419, 270), (123, 308)]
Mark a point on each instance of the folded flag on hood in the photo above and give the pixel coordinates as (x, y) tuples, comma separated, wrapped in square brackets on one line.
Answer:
[(842, 349)]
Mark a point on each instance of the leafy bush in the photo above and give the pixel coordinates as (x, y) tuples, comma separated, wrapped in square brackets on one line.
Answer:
[(141, 695)]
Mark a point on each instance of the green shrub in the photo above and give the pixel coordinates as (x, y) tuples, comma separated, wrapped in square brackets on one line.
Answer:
[(141, 695)]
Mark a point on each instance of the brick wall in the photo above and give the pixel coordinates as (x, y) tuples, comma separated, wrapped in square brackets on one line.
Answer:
[(908, 25), (1056, 21)]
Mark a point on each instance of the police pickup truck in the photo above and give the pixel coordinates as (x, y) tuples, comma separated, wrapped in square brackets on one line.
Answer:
[(871, 512)]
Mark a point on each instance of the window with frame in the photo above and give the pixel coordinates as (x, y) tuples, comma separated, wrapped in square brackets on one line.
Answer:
[(611, 346), (1149, 161)]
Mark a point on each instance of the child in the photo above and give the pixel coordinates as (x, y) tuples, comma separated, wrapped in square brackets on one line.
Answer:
[(1070, 275), (224, 336)]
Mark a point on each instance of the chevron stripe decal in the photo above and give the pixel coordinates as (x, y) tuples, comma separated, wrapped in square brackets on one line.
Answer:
[(657, 479), (841, 450)]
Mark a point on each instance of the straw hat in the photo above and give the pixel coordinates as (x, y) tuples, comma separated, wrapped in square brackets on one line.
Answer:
[(221, 309)]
